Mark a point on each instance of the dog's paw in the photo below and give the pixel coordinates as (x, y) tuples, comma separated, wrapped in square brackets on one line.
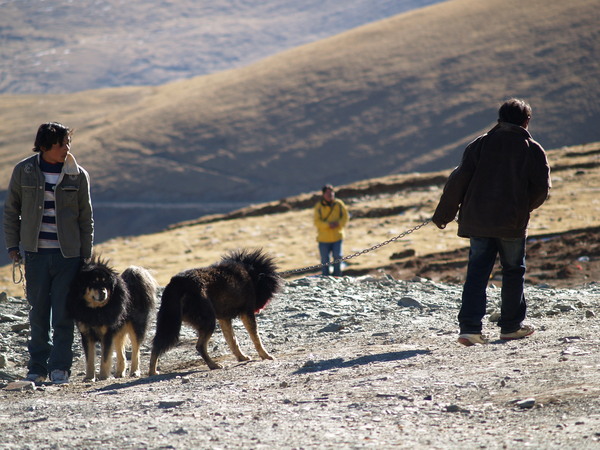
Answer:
[(88, 378), (151, 373), (213, 365), (120, 374), (243, 357), (266, 356), (135, 374)]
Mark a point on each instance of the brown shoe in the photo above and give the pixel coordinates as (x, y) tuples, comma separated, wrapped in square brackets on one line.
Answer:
[(472, 339), (522, 332)]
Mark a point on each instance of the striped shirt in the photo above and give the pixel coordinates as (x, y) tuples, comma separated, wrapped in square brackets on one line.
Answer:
[(48, 237)]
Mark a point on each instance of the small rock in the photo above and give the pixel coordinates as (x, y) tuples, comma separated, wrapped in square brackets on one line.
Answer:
[(8, 318), (20, 386), (589, 314), (170, 404), (20, 327), (409, 302), (331, 328), (526, 403), (455, 408), (494, 317), (565, 307)]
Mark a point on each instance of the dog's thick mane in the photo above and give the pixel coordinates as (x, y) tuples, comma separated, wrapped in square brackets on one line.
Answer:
[(262, 269)]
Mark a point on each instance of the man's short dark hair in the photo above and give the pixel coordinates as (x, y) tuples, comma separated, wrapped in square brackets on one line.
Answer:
[(515, 111), (326, 187), (50, 133)]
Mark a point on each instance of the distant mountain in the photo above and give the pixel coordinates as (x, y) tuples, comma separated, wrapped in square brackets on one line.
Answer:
[(400, 95), (63, 46)]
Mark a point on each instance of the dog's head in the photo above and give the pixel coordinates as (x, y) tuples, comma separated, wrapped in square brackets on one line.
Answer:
[(97, 283)]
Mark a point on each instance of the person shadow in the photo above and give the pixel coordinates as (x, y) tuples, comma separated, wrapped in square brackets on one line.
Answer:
[(339, 363)]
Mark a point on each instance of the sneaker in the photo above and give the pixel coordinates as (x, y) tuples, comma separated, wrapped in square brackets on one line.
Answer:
[(35, 378), (59, 376), (472, 339), (525, 330)]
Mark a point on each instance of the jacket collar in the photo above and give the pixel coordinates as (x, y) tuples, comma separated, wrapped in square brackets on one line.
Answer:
[(513, 128), (70, 166), (326, 203)]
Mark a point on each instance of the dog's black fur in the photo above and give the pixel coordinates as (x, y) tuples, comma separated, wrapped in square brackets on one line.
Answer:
[(240, 285), (108, 308)]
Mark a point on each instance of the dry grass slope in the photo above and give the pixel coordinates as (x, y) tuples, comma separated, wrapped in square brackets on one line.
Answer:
[(403, 94)]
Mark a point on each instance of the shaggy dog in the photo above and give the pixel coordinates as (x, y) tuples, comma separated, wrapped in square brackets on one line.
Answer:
[(240, 285), (108, 308)]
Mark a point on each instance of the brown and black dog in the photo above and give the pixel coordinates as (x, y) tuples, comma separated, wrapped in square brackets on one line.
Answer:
[(240, 285), (108, 308)]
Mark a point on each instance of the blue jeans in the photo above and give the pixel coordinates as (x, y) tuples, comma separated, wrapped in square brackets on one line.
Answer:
[(335, 249), (49, 277), (482, 256)]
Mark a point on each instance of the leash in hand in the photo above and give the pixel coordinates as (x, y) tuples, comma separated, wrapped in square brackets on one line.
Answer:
[(17, 274)]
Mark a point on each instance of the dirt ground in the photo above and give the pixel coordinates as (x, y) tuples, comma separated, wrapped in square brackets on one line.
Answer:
[(361, 362), (368, 360)]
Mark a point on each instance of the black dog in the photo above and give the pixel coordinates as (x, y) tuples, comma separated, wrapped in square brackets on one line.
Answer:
[(239, 286), (108, 307)]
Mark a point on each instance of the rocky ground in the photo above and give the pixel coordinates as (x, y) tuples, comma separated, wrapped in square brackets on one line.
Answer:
[(361, 362)]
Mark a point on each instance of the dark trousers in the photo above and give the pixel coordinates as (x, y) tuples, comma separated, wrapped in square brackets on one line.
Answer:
[(49, 277), (482, 256)]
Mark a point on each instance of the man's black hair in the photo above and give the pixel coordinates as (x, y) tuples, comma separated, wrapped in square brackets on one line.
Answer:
[(50, 133), (515, 111)]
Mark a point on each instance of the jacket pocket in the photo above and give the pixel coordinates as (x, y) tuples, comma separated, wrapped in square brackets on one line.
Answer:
[(70, 194)]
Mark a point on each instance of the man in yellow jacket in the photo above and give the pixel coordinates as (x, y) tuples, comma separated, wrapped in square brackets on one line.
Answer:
[(331, 216)]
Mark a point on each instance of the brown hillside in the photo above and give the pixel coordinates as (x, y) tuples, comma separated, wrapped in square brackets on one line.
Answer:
[(400, 95), (564, 249)]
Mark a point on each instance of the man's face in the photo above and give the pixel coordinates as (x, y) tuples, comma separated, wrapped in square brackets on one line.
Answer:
[(329, 195), (58, 152)]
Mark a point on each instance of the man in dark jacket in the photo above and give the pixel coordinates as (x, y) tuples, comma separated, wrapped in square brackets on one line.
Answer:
[(503, 176)]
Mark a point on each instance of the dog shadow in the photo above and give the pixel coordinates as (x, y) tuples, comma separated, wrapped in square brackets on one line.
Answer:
[(134, 382), (340, 363)]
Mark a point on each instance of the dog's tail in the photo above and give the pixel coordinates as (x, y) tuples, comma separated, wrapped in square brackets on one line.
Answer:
[(169, 317), (142, 289), (263, 270)]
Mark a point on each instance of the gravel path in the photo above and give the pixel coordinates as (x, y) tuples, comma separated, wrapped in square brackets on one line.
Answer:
[(360, 363)]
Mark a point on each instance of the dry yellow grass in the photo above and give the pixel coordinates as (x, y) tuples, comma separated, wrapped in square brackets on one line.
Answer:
[(290, 236)]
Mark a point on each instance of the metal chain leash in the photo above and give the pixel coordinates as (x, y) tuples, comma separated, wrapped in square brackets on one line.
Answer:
[(354, 255), (21, 278)]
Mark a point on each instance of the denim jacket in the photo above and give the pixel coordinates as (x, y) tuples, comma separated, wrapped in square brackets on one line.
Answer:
[(24, 207)]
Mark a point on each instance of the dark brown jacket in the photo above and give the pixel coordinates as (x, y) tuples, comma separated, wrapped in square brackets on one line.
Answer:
[(503, 176)]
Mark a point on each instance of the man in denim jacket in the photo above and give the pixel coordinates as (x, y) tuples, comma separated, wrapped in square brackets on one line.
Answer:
[(48, 213)]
